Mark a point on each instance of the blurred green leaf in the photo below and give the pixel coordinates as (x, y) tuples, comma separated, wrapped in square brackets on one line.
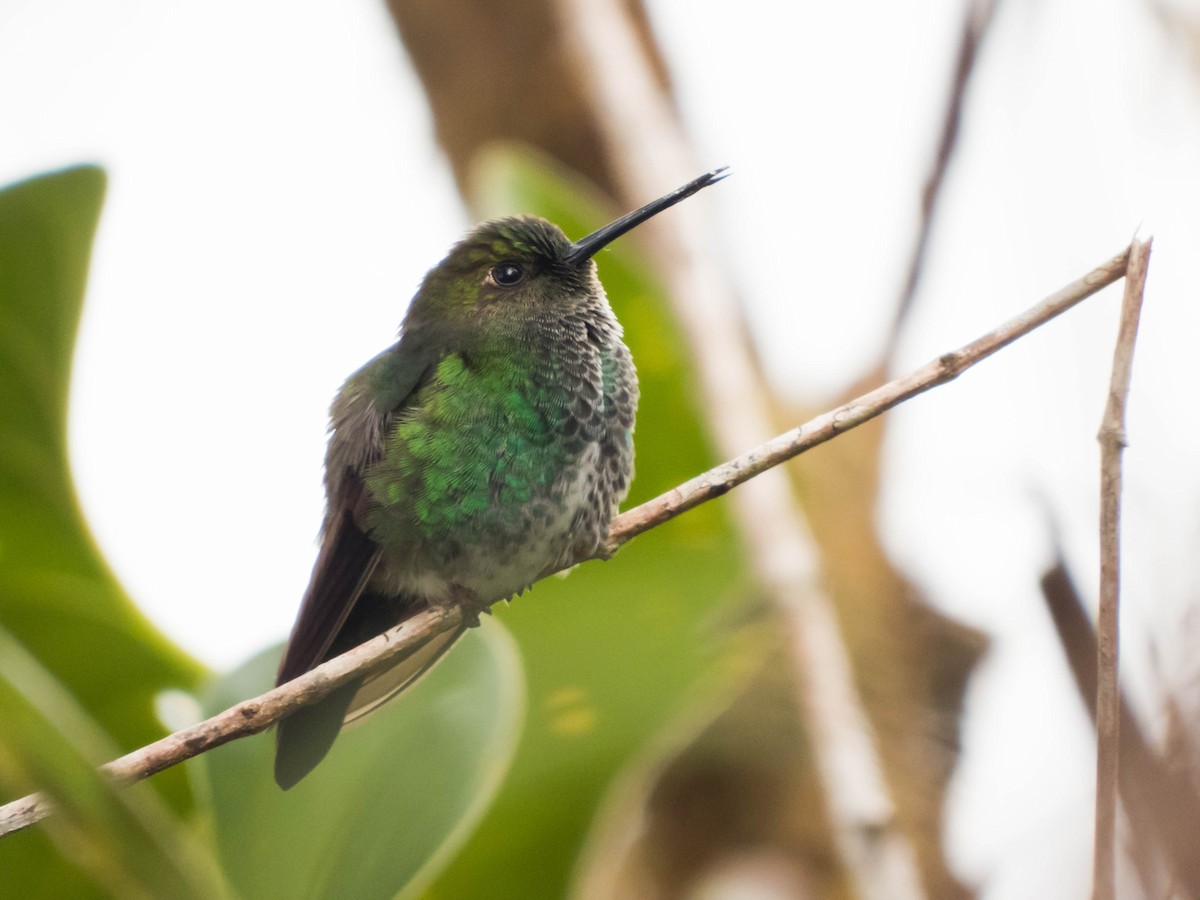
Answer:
[(127, 839), (616, 652), (57, 596), (395, 798)]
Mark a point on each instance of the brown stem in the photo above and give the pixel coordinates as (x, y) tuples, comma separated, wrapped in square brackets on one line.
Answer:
[(1108, 698)]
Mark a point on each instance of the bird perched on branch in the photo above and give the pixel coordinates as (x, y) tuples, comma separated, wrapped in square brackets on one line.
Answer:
[(489, 446)]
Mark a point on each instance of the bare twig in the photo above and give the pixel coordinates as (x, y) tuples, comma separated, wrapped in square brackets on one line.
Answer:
[(978, 18), (946, 367), (1112, 442), (258, 714)]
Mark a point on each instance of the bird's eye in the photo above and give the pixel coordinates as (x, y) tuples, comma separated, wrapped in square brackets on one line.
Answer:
[(507, 274)]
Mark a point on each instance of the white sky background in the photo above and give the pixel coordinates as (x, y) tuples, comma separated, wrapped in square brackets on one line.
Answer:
[(276, 196)]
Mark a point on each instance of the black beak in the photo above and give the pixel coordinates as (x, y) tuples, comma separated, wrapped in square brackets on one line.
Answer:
[(585, 248)]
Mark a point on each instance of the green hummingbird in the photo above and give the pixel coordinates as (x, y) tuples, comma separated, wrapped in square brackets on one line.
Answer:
[(489, 446)]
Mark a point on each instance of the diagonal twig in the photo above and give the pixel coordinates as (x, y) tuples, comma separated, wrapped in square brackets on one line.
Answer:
[(1112, 443), (946, 367), (260, 713), (979, 17)]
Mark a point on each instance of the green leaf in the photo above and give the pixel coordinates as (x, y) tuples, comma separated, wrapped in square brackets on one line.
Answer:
[(396, 796), (617, 652), (57, 596), (127, 839)]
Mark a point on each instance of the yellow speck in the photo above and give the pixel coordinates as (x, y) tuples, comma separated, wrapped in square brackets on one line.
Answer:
[(574, 722), (569, 711)]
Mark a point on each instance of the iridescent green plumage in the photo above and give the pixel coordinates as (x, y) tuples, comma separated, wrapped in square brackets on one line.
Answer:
[(491, 445)]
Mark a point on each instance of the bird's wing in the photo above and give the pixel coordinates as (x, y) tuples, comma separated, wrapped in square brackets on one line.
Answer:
[(362, 417), (345, 563)]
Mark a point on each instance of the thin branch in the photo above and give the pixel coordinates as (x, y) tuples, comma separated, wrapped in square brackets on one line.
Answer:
[(258, 714), (1108, 698), (946, 367)]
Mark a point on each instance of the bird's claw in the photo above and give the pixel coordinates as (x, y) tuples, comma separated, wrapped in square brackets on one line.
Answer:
[(470, 603)]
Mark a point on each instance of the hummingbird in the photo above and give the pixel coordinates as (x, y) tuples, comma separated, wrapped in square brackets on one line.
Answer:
[(491, 445)]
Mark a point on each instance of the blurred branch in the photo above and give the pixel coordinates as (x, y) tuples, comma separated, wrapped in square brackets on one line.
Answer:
[(258, 714), (1179, 24), (1112, 443), (1162, 802), (979, 17), (647, 146), (495, 71)]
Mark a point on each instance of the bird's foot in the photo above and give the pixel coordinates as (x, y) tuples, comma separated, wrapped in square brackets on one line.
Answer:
[(471, 604), (604, 551)]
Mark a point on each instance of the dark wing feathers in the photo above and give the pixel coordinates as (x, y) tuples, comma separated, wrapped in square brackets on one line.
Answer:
[(361, 418), (344, 566)]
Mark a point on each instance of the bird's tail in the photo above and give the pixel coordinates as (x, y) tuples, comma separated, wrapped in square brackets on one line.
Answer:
[(303, 739)]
